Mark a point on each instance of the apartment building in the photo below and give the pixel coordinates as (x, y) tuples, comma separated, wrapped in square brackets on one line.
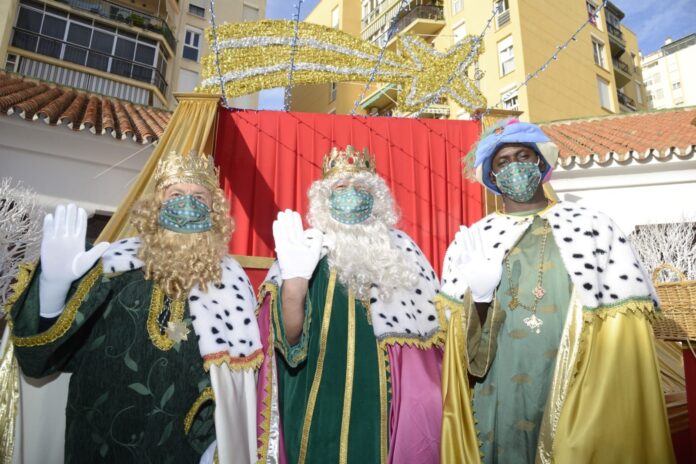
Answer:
[(668, 74), (141, 51), (597, 74)]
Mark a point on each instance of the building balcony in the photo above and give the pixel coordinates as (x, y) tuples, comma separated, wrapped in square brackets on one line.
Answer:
[(72, 65), (125, 15), (421, 19), (617, 44), (379, 100), (626, 102), (622, 72)]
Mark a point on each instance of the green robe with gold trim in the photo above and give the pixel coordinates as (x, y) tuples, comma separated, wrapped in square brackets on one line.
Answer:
[(333, 383), (128, 398)]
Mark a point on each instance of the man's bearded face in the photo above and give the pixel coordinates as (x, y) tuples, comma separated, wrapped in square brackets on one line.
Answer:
[(177, 261), (360, 249)]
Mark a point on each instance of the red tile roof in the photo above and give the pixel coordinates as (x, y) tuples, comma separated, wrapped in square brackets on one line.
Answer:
[(626, 137), (79, 110)]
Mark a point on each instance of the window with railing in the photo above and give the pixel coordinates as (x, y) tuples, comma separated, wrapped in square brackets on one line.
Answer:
[(604, 94), (598, 52), (510, 100), (77, 40), (592, 13), (332, 91), (120, 13), (506, 56), (196, 10), (192, 42), (502, 16)]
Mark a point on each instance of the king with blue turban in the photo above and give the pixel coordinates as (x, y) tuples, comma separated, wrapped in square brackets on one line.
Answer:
[(550, 318)]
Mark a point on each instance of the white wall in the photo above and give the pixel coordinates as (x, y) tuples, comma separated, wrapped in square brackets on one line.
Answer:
[(634, 194), (61, 164)]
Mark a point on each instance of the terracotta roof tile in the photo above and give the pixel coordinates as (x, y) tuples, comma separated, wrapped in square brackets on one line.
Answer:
[(52, 111), (80, 110), (125, 128), (92, 115), (623, 138), (75, 111)]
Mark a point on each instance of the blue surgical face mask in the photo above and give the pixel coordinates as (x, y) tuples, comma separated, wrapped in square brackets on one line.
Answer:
[(519, 180), (185, 214), (350, 206)]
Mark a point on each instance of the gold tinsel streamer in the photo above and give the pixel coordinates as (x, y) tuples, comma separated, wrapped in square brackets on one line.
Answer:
[(256, 56), (9, 400)]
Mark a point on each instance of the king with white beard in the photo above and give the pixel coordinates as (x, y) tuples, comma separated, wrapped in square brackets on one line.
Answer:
[(357, 335)]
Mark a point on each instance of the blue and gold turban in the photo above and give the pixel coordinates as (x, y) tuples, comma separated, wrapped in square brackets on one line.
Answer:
[(504, 132)]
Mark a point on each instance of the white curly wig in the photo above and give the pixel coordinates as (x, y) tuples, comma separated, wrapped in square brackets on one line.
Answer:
[(362, 254)]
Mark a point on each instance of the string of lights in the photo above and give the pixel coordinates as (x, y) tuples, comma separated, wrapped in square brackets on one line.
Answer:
[(591, 18), (216, 50), (464, 64), (288, 90), (373, 74)]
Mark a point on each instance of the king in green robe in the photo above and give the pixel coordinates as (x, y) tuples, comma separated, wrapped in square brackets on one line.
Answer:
[(360, 382)]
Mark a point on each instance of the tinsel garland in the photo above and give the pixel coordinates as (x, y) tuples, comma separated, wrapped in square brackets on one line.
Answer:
[(257, 55)]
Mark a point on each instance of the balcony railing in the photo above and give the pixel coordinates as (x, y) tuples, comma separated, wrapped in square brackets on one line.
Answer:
[(433, 12), (615, 31), (125, 15), (66, 51), (626, 101), (618, 64)]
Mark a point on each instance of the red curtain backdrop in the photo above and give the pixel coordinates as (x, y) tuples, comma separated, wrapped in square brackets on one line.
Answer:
[(268, 159)]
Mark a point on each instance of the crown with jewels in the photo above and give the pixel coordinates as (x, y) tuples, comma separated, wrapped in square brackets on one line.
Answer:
[(194, 168), (350, 160)]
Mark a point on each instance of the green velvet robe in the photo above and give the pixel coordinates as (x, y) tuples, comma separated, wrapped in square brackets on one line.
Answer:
[(131, 387), (334, 382)]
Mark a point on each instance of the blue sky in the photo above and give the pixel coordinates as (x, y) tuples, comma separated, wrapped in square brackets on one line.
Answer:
[(652, 22)]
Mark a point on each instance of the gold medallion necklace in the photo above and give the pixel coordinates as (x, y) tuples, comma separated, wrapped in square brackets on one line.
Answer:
[(533, 322)]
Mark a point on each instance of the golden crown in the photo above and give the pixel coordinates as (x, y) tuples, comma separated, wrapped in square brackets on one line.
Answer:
[(350, 160), (194, 168)]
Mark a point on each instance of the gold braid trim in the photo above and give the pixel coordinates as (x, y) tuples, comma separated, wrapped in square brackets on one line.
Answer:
[(66, 318), (251, 362), (279, 340), (319, 370), (206, 395), (162, 341), (639, 307), (437, 338), (266, 421), (22, 279)]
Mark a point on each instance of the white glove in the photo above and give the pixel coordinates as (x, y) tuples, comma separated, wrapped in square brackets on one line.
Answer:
[(482, 274), (63, 256), (208, 456), (298, 251)]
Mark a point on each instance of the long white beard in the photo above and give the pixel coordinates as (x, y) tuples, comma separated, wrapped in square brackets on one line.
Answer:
[(363, 257), (362, 254)]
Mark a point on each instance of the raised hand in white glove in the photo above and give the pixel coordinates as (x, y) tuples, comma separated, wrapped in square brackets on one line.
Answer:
[(481, 273), (63, 256), (298, 251)]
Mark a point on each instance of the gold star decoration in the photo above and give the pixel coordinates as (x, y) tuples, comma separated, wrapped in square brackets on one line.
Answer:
[(440, 74), (256, 55), (177, 331)]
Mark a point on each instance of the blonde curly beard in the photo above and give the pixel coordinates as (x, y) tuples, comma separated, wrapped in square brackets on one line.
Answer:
[(177, 261), (362, 254)]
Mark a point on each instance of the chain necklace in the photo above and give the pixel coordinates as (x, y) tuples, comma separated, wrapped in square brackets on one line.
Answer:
[(533, 322)]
